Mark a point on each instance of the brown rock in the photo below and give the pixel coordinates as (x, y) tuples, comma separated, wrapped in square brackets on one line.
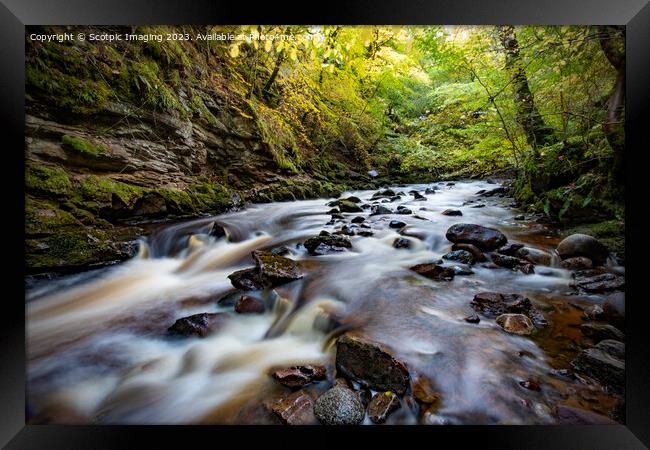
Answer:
[(247, 279), (434, 271), (298, 376), (423, 391), (275, 269), (515, 323), (200, 325), (484, 238), (370, 364), (472, 318), (474, 250), (381, 405), (452, 212), (249, 305), (577, 263), (296, 409), (599, 332)]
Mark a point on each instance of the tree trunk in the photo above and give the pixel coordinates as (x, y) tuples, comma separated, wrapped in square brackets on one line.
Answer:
[(537, 133), (613, 126), (278, 62)]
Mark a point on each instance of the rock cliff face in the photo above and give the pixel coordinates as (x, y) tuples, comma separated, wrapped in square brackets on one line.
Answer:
[(121, 134)]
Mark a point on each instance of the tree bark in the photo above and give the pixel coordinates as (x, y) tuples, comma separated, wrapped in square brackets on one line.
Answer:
[(537, 132), (278, 62), (613, 126)]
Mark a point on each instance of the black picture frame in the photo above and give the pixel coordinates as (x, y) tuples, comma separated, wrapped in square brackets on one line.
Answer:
[(15, 14)]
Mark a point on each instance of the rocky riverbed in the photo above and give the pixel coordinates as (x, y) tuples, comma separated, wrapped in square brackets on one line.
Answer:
[(421, 304)]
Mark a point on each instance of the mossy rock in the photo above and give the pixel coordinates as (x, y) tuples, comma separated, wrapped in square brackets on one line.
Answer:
[(45, 218), (82, 146), (46, 180), (609, 232)]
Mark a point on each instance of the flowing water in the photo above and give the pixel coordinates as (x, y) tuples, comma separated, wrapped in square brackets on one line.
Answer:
[(98, 349)]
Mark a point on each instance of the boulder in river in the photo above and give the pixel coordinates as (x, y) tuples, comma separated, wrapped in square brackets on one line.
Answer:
[(472, 318), (492, 304), (296, 409), (460, 255), (429, 190), (321, 245), (275, 269), (379, 209), (599, 332), (514, 263), (381, 194), (382, 405), (348, 206), (396, 224), (401, 242), (534, 255), (452, 212), (434, 271), (577, 263), (358, 219), (298, 376), (247, 279), (474, 250), (403, 210), (510, 249), (604, 363), (583, 245), (248, 304), (199, 325), (483, 237), (217, 230), (597, 280), (339, 406), (370, 364), (515, 323)]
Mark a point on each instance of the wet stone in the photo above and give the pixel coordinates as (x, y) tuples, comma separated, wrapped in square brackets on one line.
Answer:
[(379, 209), (249, 305), (276, 269), (452, 212), (198, 325), (321, 245), (298, 376), (472, 318), (515, 324), (339, 406), (370, 364), (577, 263), (382, 405), (603, 363), (434, 271), (396, 224), (599, 332), (460, 255), (247, 279), (483, 237), (402, 243), (296, 409), (474, 250), (358, 219), (602, 282)]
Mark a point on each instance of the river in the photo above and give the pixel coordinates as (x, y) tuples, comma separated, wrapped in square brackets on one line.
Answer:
[(98, 351)]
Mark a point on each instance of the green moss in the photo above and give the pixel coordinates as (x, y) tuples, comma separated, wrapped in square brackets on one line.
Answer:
[(96, 190), (68, 248), (146, 79), (47, 180), (45, 218), (609, 232), (82, 146)]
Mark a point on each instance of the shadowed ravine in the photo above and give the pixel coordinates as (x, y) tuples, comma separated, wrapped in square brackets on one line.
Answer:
[(98, 348)]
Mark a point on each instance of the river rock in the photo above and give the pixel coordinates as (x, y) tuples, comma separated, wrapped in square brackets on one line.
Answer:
[(597, 281), (396, 224), (339, 406), (199, 325), (358, 219), (600, 332), (492, 304), (247, 279), (381, 194), (402, 243), (281, 250), (604, 363), (484, 238), (321, 245), (275, 269), (577, 263), (298, 376), (452, 212), (417, 196), (248, 304), (296, 409), (349, 206), (511, 262), (370, 364), (614, 309), (472, 318), (583, 245), (217, 230), (429, 190), (403, 210), (462, 269), (460, 255), (434, 271), (365, 233), (382, 405), (535, 256), (474, 250), (379, 209), (594, 312), (334, 211), (495, 191), (510, 249), (515, 323)]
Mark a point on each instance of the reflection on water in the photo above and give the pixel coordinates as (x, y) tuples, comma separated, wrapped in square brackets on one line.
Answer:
[(98, 350)]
